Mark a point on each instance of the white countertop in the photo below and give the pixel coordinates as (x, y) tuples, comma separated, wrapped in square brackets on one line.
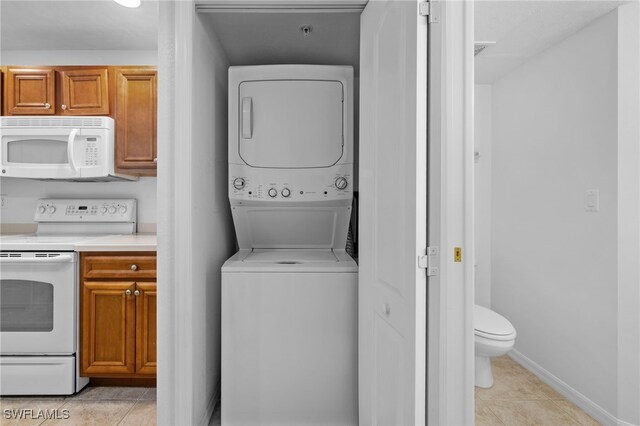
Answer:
[(134, 242)]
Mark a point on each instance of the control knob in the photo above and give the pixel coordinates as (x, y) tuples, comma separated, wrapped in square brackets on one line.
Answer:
[(112, 209), (103, 210), (238, 183), (122, 209), (272, 192), (42, 209), (341, 183), (52, 209), (285, 192)]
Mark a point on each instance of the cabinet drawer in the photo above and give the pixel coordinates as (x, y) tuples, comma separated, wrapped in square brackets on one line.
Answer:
[(120, 266)]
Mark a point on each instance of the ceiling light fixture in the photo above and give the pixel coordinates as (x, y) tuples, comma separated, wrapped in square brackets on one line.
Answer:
[(128, 3)]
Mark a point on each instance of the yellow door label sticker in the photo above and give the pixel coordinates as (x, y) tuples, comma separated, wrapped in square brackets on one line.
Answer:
[(457, 254)]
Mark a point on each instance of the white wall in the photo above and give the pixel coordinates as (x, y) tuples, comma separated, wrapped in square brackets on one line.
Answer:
[(554, 266), (79, 57), (195, 221), (482, 204), (629, 213), (214, 239), (23, 193)]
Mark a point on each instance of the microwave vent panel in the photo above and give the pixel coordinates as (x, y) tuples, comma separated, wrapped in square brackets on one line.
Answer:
[(75, 122)]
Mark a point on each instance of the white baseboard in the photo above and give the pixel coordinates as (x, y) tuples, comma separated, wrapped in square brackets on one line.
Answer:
[(590, 407)]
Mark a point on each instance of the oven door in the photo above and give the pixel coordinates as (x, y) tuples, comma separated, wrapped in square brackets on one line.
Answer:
[(38, 303)]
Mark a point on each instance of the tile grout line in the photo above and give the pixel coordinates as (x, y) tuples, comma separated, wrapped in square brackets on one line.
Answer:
[(496, 416), (568, 413), (128, 411)]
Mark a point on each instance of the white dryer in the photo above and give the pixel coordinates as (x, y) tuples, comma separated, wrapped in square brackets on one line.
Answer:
[(289, 296)]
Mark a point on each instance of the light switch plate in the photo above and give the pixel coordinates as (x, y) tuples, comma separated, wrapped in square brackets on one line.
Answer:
[(4, 199), (592, 201)]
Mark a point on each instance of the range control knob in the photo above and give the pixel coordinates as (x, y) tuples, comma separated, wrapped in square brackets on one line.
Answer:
[(42, 209), (122, 209), (52, 209), (112, 209), (238, 183), (272, 192), (285, 192), (341, 183), (103, 210)]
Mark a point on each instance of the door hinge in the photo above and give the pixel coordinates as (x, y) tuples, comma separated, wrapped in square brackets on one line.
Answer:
[(429, 8), (429, 262)]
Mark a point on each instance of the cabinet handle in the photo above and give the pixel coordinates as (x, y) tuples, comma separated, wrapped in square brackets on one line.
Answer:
[(155, 160), (127, 292), (47, 105), (134, 267), (63, 107), (137, 292)]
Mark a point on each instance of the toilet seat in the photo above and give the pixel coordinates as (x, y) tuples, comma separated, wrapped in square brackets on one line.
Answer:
[(491, 325)]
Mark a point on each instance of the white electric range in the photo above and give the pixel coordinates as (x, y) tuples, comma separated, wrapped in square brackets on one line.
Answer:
[(39, 289)]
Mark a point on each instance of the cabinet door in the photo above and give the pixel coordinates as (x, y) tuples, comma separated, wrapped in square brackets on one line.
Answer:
[(107, 330), (146, 328), (30, 91), (84, 92), (136, 112)]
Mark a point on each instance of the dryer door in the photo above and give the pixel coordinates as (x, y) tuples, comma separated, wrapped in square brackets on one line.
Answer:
[(290, 123)]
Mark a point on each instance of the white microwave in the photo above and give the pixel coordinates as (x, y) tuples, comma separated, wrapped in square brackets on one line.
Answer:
[(58, 148)]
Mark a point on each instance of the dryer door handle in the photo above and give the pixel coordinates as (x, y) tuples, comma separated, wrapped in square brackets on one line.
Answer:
[(247, 128)]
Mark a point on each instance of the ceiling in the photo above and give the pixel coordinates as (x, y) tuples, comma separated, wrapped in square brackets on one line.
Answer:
[(522, 29), (77, 25), (253, 38)]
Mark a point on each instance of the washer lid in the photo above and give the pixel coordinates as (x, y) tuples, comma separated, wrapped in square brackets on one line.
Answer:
[(490, 323), (290, 257)]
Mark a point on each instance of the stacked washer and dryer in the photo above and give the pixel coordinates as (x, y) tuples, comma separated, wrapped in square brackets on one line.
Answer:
[(289, 295)]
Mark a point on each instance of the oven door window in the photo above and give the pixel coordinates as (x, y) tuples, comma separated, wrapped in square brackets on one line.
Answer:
[(26, 306)]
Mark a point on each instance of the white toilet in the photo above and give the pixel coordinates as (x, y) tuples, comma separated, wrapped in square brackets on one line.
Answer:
[(494, 336)]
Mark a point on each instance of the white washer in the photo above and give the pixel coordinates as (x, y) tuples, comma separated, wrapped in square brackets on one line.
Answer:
[(289, 296), (289, 338)]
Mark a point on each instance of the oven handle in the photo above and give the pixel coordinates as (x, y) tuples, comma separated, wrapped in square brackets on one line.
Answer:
[(63, 258)]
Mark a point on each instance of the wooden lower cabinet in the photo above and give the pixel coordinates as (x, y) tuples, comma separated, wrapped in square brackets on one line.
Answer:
[(117, 320), (146, 329)]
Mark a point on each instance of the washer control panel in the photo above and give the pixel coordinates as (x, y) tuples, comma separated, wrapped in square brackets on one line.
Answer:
[(291, 185), (85, 210)]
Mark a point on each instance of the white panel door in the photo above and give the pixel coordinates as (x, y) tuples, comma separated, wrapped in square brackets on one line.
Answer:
[(290, 123), (392, 288)]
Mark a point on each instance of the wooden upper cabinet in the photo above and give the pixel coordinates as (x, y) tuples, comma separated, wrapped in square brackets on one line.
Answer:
[(84, 92), (136, 122), (30, 91)]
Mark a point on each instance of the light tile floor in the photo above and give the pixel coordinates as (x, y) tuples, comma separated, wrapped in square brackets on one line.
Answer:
[(92, 406), (518, 397)]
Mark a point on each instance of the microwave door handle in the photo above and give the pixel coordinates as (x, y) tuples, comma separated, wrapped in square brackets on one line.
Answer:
[(70, 145)]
